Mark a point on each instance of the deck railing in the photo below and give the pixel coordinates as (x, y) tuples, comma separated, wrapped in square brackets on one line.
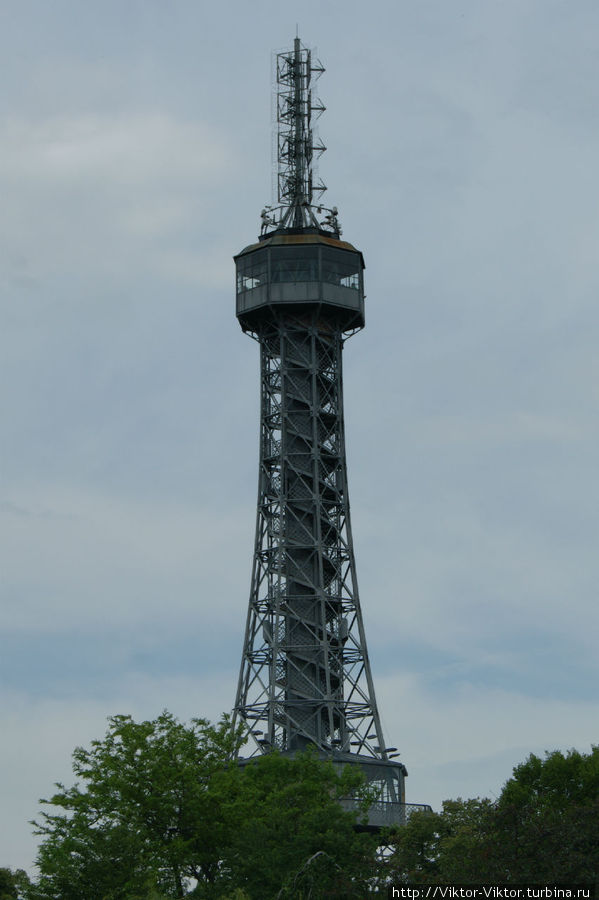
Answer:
[(386, 814)]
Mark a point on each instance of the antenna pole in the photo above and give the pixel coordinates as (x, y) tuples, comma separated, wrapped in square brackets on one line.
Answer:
[(297, 148)]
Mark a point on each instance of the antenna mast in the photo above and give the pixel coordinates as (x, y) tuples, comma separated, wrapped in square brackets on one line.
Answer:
[(298, 149)]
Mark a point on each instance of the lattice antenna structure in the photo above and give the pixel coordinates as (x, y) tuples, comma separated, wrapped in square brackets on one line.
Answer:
[(305, 676), (299, 190)]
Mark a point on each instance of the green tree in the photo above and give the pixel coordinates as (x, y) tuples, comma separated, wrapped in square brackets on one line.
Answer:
[(13, 884), (543, 828), (291, 835), (7, 885), (145, 818), (558, 781), (450, 846), (546, 825), (162, 810), (415, 849)]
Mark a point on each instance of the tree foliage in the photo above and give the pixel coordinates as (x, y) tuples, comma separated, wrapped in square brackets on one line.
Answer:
[(449, 846), (161, 809), (142, 817), (547, 819), (543, 828), (13, 884), (291, 833)]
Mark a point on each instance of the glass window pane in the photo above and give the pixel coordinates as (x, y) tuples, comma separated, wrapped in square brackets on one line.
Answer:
[(294, 264), (252, 270), (341, 267)]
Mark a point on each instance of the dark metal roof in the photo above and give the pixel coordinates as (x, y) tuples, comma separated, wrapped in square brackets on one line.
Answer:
[(302, 237)]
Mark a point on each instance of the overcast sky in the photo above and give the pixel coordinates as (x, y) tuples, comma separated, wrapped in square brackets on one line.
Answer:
[(135, 158)]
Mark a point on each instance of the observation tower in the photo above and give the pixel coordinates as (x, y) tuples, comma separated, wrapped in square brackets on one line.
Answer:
[(305, 676)]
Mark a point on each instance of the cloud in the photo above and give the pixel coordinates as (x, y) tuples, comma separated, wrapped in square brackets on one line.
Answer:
[(465, 743), (58, 725), (106, 194), (118, 150), (79, 559)]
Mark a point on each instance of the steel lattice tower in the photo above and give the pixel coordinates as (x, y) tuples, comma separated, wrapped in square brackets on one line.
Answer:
[(305, 675)]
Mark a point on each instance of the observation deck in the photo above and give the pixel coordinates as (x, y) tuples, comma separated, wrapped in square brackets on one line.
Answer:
[(303, 268)]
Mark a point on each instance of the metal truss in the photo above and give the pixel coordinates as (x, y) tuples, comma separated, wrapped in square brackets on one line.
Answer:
[(305, 675), (297, 107), (298, 189)]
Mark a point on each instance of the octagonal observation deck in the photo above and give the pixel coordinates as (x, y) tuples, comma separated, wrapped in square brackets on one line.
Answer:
[(303, 268)]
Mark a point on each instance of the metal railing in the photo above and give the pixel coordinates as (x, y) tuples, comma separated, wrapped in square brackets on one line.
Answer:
[(385, 814)]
